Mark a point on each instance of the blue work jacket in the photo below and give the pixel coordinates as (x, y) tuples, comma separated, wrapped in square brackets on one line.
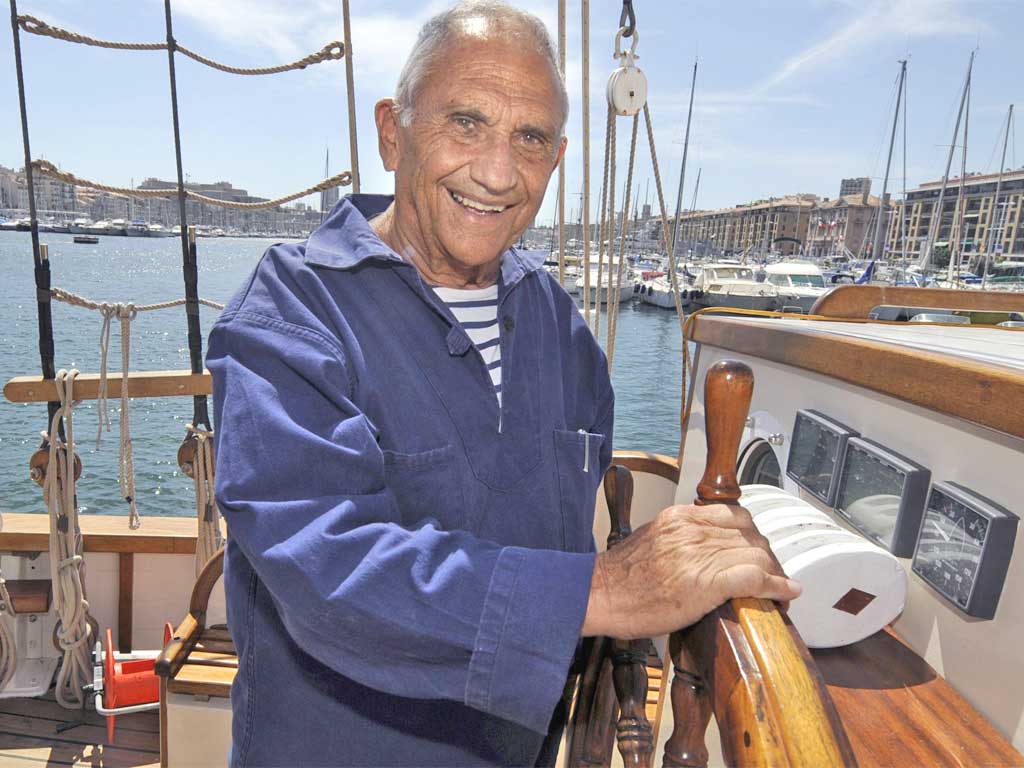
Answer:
[(408, 565)]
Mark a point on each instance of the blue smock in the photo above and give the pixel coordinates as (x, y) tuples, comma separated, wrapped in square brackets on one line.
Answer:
[(408, 565)]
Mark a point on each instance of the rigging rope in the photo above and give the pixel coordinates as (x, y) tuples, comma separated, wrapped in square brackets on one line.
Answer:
[(331, 51), (125, 313), (607, 190), (210, 539), (67, 566), (8, 647), (49, 169), (613, 312)]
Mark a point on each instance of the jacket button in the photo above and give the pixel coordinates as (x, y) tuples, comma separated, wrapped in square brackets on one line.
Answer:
[(510, 324)]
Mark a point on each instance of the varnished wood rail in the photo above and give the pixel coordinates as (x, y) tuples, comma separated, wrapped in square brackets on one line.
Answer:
[(36, 389)]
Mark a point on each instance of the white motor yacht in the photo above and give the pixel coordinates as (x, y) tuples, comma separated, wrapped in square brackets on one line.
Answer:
[(799, 283), (599, 294), (732, 285)]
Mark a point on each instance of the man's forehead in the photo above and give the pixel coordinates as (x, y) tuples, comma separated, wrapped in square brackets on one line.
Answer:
[(482, 73)]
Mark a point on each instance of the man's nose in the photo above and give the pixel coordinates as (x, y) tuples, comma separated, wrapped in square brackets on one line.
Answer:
[(494, 168)]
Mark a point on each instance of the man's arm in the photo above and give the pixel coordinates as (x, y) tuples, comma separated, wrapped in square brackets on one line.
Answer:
[(420, 613)]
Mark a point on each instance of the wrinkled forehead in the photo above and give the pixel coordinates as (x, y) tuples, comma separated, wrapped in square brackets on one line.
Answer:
[(496, 70)]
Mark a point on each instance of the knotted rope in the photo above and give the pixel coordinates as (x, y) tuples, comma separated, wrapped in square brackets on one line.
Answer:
[(331, 51), (209, 538), (125, 313), (67, 567), (47, 168), (8, 648)]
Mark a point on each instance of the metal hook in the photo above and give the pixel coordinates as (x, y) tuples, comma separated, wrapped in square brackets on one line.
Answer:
[(627, 15)]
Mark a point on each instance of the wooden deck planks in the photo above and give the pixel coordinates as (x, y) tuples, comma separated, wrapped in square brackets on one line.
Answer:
[(28, 736)]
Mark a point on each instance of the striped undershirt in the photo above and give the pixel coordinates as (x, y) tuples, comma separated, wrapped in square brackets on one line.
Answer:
[(476, 309)]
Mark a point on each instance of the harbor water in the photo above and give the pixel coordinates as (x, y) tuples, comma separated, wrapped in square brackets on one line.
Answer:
[(647, 371)]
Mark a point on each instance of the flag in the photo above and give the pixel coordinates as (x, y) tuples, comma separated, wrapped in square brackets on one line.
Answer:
[(868, 274)]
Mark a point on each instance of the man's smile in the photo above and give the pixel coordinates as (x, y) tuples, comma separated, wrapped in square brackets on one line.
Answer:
[(476, 206)]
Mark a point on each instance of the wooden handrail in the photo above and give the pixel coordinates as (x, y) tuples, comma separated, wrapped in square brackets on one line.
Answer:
[(856, 301), (185, 637), (744, 661), (36, 389)]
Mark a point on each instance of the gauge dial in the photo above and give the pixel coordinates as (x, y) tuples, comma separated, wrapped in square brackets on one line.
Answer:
[(964, 547)]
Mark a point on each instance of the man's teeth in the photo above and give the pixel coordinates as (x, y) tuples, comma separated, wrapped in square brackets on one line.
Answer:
[(478, 206)]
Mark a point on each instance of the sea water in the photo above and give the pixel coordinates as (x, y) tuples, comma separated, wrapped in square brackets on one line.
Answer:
[(647, 367)]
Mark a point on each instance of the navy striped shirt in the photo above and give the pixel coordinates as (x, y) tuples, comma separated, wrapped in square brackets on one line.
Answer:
[(476, 309)]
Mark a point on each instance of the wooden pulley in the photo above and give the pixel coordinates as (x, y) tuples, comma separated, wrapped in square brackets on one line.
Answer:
[(627, 85), (187, 454), (40, 461)]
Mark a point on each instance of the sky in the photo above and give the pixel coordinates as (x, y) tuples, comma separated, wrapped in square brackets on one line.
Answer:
[(791, 96)]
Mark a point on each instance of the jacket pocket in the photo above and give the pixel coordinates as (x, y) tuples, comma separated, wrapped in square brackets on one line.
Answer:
[(427, 487), (577, 456)]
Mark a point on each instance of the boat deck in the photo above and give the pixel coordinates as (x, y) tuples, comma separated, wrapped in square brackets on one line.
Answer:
[(29, 736)]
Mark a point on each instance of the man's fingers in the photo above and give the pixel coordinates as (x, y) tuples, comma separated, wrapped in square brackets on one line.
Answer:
[(748, 580)]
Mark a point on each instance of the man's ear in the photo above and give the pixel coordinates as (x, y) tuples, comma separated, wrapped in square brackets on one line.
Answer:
[(386, 116), (561, 153)]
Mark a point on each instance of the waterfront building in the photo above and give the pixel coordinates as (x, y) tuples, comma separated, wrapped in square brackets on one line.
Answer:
[(969, 226), (842, 227)]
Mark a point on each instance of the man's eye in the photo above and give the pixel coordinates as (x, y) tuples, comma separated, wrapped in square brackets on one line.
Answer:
[(465, 124)]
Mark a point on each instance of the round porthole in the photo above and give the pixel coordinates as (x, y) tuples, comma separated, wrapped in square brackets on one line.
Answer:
[(758, 465)]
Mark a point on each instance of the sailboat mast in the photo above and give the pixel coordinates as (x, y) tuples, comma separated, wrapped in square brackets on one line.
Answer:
[(877, 248), (960, 215), (933, 227), (682, 170), (993, 216), (693, 209)]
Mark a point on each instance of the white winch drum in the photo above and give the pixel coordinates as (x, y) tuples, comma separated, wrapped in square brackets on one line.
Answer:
[(789, 525), (766, 504), (770, 520), (851, 587)]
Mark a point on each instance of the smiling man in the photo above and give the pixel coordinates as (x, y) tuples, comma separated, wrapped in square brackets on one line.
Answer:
[(412, 423)]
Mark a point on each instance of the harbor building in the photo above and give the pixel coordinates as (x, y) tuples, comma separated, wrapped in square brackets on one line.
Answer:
[(776, 223), (971, 225), (843, 226)]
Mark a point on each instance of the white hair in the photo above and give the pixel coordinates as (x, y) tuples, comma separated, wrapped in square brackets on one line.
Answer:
[(474, 17)]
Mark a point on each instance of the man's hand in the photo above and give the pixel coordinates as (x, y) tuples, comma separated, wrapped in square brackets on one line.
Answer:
[(679, 567)]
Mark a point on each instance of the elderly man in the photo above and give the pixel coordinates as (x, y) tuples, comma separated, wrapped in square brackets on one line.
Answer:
[(412, 422)]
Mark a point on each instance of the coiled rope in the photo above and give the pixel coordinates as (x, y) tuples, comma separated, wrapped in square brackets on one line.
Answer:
[(125, 313), (8, 648), (210, 538), (47, 168), (332, 51), (67, 566)]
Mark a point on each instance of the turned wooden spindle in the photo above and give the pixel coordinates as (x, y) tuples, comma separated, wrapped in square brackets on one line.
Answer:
[(613, 689), (743, 661), (634, 732)]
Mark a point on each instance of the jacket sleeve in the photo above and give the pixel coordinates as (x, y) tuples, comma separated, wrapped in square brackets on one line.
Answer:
[(418, 612)]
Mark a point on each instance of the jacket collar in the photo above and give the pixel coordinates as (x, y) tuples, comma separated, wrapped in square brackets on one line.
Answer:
[(345, 240)]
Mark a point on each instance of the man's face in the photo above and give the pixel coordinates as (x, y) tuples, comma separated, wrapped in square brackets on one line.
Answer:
[(472, 167)]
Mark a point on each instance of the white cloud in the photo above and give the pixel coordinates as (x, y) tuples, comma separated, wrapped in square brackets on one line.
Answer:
[(880, 20)]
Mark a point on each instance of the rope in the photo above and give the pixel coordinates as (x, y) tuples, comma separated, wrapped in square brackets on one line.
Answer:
[(8, 648), (67, 567), (125, 313), (613, 316), (80, 301), (32, 25), (585, 34), (673, 278), (209, 538), (49, 169), (602, 214)]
